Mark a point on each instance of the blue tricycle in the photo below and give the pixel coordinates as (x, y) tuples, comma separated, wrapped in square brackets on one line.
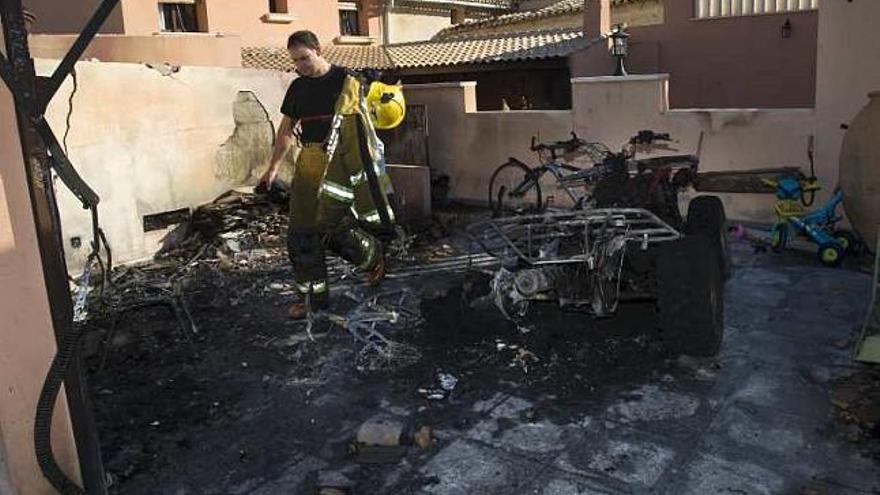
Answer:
[(819, 226)]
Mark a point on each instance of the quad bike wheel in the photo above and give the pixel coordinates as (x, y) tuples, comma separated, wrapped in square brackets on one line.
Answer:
[(690, 298), (706, 218)]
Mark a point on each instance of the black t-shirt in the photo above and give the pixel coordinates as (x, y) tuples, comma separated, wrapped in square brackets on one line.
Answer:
[(313, 100)]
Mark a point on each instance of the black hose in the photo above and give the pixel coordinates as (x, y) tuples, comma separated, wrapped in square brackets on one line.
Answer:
[(45, 411), (59, 369)]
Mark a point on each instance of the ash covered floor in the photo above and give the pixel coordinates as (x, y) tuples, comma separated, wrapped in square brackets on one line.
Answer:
[(201, 385)]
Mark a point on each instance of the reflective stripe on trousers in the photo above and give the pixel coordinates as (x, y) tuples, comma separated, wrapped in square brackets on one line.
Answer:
[(313, 287)]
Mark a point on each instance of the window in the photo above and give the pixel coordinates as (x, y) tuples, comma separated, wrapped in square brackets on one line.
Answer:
[(278, 7), (730, 8), (178, 17), (349, 22)]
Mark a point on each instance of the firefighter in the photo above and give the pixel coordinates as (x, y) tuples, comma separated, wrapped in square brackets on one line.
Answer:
[(339, 179)]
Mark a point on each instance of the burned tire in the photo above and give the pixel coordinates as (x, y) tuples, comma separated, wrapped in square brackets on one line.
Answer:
[(706, 218), (690, 299)]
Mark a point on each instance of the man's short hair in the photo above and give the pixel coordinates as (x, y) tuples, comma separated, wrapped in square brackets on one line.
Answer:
[(304, 38)]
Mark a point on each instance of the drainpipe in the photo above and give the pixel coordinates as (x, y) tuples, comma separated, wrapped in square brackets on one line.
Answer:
[(386, 21)]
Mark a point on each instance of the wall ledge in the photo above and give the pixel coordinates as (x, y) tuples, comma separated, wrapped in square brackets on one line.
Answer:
[(742, 110), (523, 112), (278, 18), (630, 78), (457, 84)]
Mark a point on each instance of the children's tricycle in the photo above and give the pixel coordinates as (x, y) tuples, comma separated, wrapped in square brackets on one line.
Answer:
[(819, 226)]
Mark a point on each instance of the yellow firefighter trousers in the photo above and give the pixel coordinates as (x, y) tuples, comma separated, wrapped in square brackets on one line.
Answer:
[(325, 199)]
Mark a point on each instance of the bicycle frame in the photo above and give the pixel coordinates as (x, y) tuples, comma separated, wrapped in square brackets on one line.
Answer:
[(557, 170)]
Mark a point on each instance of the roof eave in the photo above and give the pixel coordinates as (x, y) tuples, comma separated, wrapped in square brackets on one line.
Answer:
[(473, 4)]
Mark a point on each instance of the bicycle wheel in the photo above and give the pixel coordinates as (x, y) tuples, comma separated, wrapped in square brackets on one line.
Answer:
[(514, 189)]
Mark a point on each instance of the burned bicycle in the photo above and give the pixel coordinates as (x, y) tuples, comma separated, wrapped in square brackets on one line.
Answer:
[(591, 175), (634, 247)]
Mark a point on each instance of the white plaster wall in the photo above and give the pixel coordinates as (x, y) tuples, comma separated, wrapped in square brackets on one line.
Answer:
[(468, 145), (611, 110), (147, 143), (406, 27)]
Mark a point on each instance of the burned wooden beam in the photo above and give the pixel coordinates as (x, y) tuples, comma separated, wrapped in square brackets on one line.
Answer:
[(743, 181)]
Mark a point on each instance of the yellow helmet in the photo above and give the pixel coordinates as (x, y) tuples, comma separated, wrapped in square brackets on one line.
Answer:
[(386, 105)]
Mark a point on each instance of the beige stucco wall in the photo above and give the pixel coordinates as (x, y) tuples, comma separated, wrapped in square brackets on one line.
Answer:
[(408, 26), (27, 341), (149, 143), (178, 49), (468, 145), (612, 109)]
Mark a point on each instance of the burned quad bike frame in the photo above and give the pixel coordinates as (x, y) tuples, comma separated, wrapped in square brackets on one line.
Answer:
[(639, 248)]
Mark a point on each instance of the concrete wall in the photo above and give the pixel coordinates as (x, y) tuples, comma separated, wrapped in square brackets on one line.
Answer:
[(149, 143), (468, 145), (177, 49), (734, 62), (27, 341), (411, 26)]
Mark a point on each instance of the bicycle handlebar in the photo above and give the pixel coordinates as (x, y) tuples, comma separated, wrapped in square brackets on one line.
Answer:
[(567, 145)]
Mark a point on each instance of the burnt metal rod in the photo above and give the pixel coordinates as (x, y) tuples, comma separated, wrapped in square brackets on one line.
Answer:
[(8, 76)]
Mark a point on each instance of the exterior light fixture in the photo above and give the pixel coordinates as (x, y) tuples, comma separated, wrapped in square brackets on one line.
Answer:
[(786, 29), (619, 48)]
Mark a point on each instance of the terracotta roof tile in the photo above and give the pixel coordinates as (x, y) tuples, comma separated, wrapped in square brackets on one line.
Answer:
[(491, 4), (352, 57), (562, 7), (258, 57), (487, 49), (506, 47), (559, 8), (359, 57)]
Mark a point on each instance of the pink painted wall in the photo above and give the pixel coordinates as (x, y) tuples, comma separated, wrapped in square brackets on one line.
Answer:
[(191, 49), (27, 341), (70, 19), (735, 62), (243, 19), (237, 17)]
